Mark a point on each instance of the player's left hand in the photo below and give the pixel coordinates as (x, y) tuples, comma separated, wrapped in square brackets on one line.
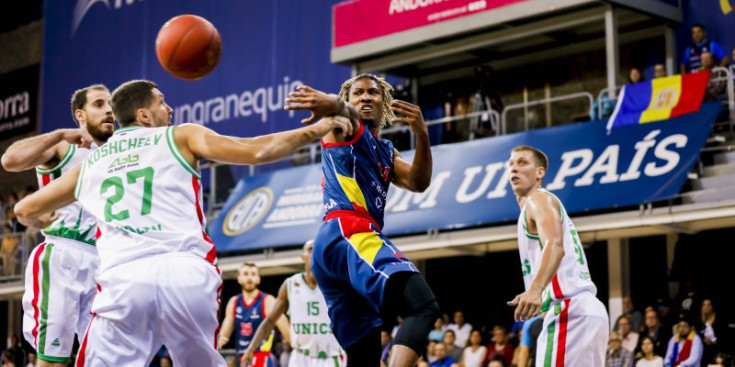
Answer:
[(319, 103), (527, 304), (410, 114)]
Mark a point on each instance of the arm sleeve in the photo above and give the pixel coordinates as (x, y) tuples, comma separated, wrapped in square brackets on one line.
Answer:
[(717, 51)]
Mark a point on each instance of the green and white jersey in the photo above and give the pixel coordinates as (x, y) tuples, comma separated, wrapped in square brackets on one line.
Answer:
[(74, 222), (311, 330), (146, 198), (573, 275)]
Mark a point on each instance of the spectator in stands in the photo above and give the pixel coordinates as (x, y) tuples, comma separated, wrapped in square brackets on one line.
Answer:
[(437, 334), (721, 359), (31, 359), (9, 251), (386, 342), (500, 346), (602, 108), (693, 54), (711, 330), (496, 363), (650, 358), (442, 357), (461, 329), (656, 331), (396, 327), (8, 359), (19, 355), (450, 346), (685, 348), (475, 353), (630, 337), (659, 71), (635, 76), (431, 350), (617, 356), (634, 316)]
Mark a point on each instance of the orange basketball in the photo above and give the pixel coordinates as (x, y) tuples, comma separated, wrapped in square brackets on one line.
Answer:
[(188, 47)]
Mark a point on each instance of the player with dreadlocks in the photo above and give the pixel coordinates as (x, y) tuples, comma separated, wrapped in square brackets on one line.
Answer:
[(363, 276)]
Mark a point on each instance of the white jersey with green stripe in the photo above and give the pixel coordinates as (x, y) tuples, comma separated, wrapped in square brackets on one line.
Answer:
[(573, 275), (74, 222), (311, 330), (146, 198)]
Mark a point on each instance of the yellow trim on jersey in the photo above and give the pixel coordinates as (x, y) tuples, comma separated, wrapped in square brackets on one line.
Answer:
[(367, 245), (352, 190), (64, 160)]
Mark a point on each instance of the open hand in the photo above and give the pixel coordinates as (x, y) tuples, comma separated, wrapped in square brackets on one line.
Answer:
[(319, 103), (408, 113)]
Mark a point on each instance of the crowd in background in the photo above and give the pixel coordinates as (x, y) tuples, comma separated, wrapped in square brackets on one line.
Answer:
[(12, 233), (703, 54), (684, 331)]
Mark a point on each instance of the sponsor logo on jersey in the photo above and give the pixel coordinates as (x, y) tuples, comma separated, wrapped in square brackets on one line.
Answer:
[(246, 328), (55, 343), (248, 212), (255, 315), (238, 309)]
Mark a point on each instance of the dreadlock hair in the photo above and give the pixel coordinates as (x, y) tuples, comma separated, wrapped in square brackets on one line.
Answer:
[(385, 89)]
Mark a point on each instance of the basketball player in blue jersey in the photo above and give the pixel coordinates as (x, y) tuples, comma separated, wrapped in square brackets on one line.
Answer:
[(244, 314), (363, 276), (57, 298)]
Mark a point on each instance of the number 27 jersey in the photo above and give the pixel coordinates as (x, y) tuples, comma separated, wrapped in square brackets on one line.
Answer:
[(146, 198)]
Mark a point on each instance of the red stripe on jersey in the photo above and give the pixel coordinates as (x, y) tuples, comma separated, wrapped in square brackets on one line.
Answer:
[(557, 288), (563, 321), (36, 291), (212, 254), (346, 143), (98, 234), (45, 179), (244, 303), (83, 348), (195, 184)]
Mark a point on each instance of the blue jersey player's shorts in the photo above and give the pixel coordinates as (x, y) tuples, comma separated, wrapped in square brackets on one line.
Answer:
[(352, 262)]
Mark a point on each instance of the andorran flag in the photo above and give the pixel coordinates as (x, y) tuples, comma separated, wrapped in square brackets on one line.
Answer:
[(659, 99)]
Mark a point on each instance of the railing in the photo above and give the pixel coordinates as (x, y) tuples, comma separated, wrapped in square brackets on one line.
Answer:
[(524, 105), (15, 249)]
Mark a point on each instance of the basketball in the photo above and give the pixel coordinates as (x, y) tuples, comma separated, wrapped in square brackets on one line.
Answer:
[(188, 47)]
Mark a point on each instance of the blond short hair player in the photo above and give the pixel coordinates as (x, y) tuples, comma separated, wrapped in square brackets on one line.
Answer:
[(555, 272)]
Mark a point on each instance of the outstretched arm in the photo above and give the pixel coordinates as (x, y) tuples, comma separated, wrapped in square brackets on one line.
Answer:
[(414, 176), (322, 104), (542, 212), (34, 210), (275, 317), (42, 149), (228, 324), (198, 142)]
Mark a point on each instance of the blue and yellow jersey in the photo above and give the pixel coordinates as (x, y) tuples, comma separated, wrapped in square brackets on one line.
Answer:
[(357, 174)]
